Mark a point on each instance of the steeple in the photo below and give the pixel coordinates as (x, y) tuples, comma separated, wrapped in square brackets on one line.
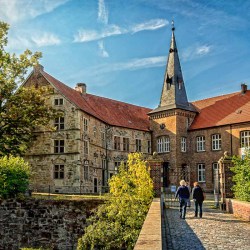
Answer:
[(173, 93)]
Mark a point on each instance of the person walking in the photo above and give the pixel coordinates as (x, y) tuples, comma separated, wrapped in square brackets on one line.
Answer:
[(198, 197), (183, 194)]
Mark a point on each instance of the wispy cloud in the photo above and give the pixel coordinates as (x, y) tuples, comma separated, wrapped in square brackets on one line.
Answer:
[(13, 11), (102, 12), (195, 51), (38, 40), (102, 50), (150, 25), (93, 35), (114, 30)]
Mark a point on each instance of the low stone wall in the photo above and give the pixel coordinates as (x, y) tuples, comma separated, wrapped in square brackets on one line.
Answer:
[(150, 236), (48, 224), (238, 208)]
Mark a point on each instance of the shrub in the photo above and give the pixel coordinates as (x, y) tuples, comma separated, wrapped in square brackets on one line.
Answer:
[(14, 176), (117, 223), (241, 169)]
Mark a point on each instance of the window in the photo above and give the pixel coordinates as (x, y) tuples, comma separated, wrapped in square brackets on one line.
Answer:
[(86, 147), (245, 139), (58, 146), (201, 173), (215, 172), (58, 101), (59, 172), (183, 144), (117, 142), (85, 124), (216, 142), (200, 140), (138, 145), (163, 144), (126, 144), (103, 139), (94, 132), (103, 163), (116, 166), (86, 172), (59, 123), (149, 147)]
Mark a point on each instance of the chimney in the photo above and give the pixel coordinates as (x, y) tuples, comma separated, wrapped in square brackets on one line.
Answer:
[(81, 87), (243, 88)]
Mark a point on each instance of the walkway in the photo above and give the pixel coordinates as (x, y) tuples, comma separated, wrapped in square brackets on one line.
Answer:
[(216, 230)]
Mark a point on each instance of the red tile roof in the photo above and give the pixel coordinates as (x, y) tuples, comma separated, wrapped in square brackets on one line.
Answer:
[(222, 110), (109, 111)]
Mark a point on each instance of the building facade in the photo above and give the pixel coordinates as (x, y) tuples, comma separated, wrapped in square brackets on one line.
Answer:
[(94, 135)]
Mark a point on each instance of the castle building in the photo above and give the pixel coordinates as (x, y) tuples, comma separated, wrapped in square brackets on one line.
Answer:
[(95, 134)]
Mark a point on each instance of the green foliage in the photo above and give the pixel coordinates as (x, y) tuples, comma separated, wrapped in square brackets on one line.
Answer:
[(118, 222), (14, 176), (23, 109), (241, 178)]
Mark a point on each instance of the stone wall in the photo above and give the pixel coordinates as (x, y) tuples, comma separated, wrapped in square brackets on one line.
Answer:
[(48, 224), (238, 208)]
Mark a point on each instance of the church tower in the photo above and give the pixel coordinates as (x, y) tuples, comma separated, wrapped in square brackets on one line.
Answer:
[(170, 121)]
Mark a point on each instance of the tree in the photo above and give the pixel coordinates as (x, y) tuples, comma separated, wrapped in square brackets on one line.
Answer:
[(14, 176), (241, 169), (117, 223), (21, 109)]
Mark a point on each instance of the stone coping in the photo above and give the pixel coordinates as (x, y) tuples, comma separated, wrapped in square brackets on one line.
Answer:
[(150, 236)]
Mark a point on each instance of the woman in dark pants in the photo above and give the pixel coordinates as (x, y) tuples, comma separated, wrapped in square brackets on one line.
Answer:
[(198, 197)]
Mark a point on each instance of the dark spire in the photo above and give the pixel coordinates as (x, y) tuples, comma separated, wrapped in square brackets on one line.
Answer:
[(173, 92)]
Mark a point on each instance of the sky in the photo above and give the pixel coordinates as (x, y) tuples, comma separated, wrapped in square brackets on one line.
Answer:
[(119, 48)]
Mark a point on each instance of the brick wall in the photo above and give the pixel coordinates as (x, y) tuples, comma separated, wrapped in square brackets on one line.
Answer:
[(238, 208), (43, 223)]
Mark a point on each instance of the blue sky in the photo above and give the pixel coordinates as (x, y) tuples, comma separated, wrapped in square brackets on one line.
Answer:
[(119, 48)]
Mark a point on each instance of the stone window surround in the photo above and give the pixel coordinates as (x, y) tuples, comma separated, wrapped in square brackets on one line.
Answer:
[(163, 144), (201, 172), (85, 124), (59, 146), (59, 123), (58, 101), (59, 171), (216, 142), (138, 145)]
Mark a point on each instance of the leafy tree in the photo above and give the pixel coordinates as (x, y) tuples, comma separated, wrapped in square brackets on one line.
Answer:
[(117, 223), (14, 176), (241, 178), (21, 109)]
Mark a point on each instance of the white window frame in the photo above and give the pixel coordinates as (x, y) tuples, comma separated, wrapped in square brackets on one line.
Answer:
[(200, 143), (163, 144), (201, 172), (125, 145), (216, 142), (245, 139), (183, 144)]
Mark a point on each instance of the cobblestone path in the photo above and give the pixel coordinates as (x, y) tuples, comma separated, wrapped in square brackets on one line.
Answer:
[(216, 230)]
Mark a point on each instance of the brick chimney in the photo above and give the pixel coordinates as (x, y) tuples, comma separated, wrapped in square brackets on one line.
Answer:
[(243, 88), (81, 87)]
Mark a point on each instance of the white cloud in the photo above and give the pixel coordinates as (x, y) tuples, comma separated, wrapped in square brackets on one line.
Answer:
[(45, 39), (113, 30), (150, 25), (93, 35), (102, 50), (102, 12), (13, 11), (25, 41), (203, 50)]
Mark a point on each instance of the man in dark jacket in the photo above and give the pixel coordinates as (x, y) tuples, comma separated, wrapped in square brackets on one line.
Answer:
[(198, 197), (183, 194)]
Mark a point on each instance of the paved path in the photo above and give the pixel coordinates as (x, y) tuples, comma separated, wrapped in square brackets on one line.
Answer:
[(216, 230)]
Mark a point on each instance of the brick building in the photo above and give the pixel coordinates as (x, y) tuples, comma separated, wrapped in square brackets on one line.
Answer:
[(95, 134)]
